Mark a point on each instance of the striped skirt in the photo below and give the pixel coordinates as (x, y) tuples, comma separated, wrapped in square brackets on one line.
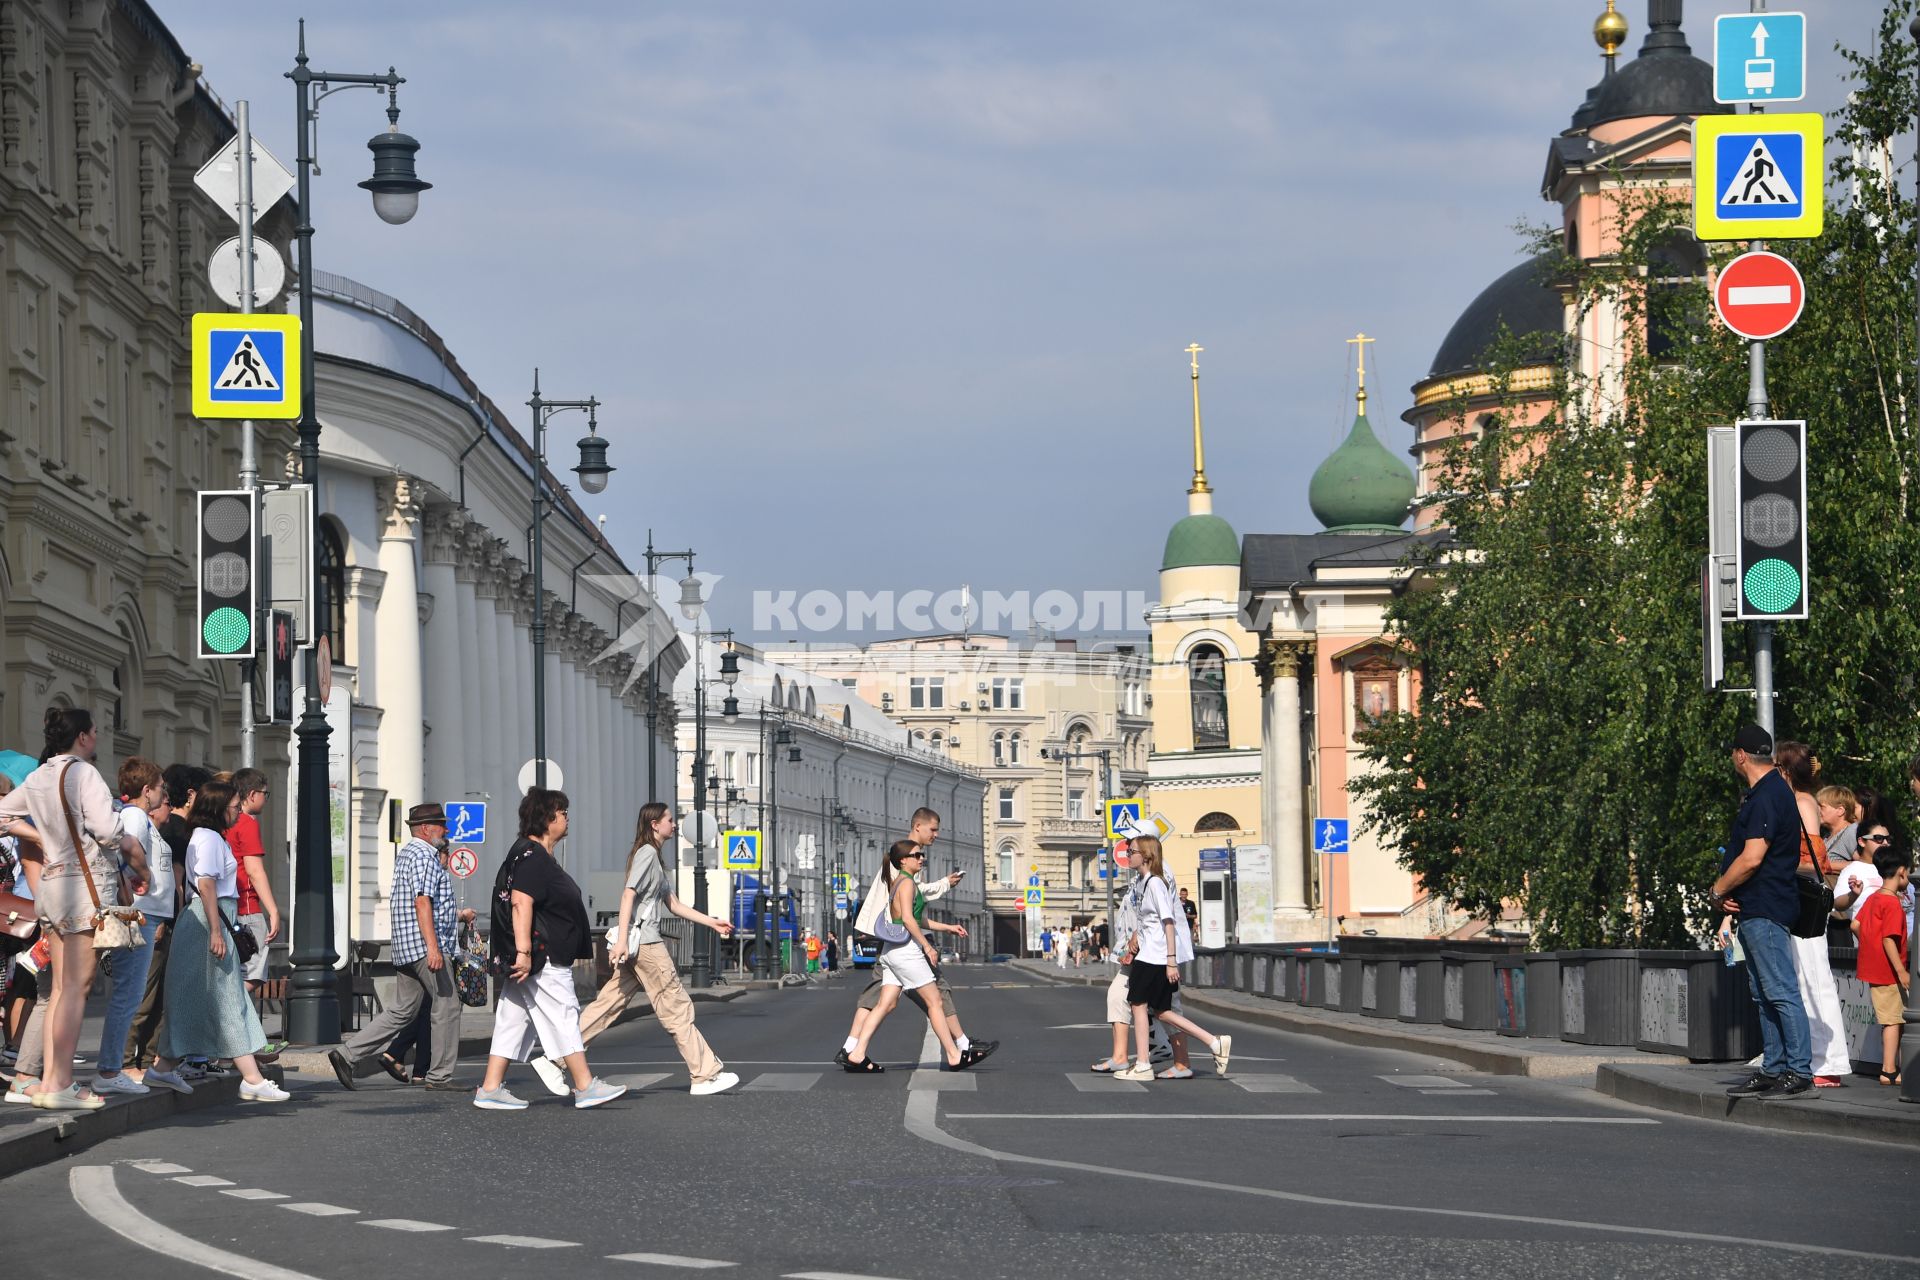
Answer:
[(208, 1012)]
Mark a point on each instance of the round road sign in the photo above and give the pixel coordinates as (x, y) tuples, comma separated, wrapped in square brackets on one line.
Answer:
[(555, 780), (1759, 295), (463, 863), (269, 273)]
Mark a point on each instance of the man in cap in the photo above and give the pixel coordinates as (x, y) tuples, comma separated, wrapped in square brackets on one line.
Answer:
[(424, 924), (1756, 886)]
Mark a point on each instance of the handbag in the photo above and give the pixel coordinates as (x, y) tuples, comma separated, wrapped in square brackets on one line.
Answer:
[(470, 970), (114, 928), (1816, 896), (19, 923), (245, 945), (886, 928)]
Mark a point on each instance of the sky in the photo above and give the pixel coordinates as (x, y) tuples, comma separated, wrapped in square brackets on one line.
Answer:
[(885, 297)]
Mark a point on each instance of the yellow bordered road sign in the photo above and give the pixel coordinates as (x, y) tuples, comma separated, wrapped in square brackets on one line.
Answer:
[(1759, 177), (246, 366), (741, 850), (1124, 817)]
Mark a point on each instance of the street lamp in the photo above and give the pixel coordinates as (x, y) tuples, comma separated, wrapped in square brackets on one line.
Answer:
[(544, 409), (1104, 756), (313, 1009)]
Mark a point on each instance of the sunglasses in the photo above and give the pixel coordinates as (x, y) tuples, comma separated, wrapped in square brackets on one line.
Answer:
[(1875, 839)]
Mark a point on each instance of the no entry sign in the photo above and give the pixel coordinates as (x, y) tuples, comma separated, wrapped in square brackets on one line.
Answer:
[(1759, 295)]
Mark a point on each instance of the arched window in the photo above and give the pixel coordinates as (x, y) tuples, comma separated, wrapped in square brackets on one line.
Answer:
[(1207, 684), (1013, 749), (1675, 267), (939, 740), (920, 739), (1007, 852), (999, 748), (332, 587), (1217, 821)]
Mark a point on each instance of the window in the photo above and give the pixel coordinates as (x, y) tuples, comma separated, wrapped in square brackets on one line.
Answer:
[(1217, 821), (927, 693), (1674, 269), (753, 768), (1013, 749), (1006, 804), (1009, 693), (1077, 804), (920, 739), (1207, 686), (999, 748), (849, 682), (1006, 866), (939, 741), (729, 766), (332, 586)]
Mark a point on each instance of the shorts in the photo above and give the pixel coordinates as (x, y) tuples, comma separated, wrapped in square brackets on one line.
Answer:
[(871, 996), (1148, 984), (905, 965), (1117, 1010), (1889, 1005), (256, 968)]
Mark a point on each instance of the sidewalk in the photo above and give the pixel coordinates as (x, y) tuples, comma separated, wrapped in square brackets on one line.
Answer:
[(1863, 1109)]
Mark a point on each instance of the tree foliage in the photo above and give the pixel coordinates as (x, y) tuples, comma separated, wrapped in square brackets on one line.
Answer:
[(1563, 753)]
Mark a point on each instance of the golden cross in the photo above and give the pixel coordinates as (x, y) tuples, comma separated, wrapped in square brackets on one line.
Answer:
[(1194, 351), (1199, 447), (1360, 341)]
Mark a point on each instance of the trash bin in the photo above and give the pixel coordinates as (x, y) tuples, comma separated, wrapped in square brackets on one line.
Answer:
[(1422, 988), (1695, 1004), (1600, 997), (1467, 989), (1380, 987)]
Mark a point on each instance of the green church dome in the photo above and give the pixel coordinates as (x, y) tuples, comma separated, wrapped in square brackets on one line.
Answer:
[(1198, 540), (1361, 487)]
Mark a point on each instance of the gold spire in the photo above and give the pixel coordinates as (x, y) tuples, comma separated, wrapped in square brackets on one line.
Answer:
[(1200, 484), (1360, 341), (1610, 30)]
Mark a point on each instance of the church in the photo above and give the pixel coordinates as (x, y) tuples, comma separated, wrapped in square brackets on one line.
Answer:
[(1270, 651)]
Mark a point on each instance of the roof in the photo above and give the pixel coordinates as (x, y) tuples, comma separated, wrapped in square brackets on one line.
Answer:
[(1665, 79), (1277, 561), (1361, 486), (1200, 540), (1523, 303)]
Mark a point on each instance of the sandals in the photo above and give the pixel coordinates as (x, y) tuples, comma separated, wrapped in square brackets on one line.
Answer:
[(1890, 1077), (864, 1067), (967, 1059), (393, 1067), (1107, 1066)]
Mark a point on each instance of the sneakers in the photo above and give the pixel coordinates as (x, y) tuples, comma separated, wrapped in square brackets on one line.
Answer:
[(596, 1093), (498, 1100), (119, 1082), (1177, 1073), (68, 1099), (1140, 1071), (264, 1090), (342, 1069), (719, 1084), (551, 1075), (155, 1077), (1789, 1085), (1222, 1051), (1754, 1086)]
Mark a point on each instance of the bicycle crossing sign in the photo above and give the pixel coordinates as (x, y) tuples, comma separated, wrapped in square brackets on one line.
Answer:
[(1759, 176), (740, 850), (466, 821), (246, 366)]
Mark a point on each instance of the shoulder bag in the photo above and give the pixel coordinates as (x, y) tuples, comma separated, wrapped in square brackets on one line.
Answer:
[(114, 928), (885, 927), (245, 945), (1816, 895)]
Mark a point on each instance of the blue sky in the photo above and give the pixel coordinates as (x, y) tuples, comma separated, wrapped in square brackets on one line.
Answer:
[(894, 296)]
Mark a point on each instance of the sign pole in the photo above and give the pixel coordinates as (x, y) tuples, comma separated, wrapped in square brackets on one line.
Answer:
[(249, 461), (1757, 408)]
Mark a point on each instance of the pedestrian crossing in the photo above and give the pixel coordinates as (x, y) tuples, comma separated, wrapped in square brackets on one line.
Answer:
[(1009, 1078)]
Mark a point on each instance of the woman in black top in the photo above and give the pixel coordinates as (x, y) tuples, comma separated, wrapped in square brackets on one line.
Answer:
[(539, 930)]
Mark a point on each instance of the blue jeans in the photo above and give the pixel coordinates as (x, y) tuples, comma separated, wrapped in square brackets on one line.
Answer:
[(1787, 1044), (128, 970)]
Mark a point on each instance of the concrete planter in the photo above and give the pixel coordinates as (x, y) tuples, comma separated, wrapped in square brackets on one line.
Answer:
[(1695, 1004), (1422, 988), (1600, 997), (1467, 989), (1543, 996), (1351, 987), (1380, 987)]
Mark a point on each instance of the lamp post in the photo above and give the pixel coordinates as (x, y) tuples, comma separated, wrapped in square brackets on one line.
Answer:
[(1909, 1082), (593, 472), (1105, 757), (313, 1010)]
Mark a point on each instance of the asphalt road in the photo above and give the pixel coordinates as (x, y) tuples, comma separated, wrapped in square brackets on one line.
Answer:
[(1310, 1159)]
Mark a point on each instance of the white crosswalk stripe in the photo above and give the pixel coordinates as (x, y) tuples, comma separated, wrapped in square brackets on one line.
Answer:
[(1425, 1082), (204, 1180), (252, 1193), (1271, 1084), (317, 1210), (636, 1083), (159, 1166), (945, 1081), (782, 1082), (404, 1224), (670, 1260), (524, 1242), (1104, 1084)]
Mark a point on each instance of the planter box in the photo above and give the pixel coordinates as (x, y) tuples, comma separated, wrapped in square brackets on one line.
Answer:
[(1600, 997), (1510, 995), (1467, 990), (1332, 983), (1380, 987), (1422, 988), (1313, 987), (1695, 1004), (1350, 984), (1543, 996)]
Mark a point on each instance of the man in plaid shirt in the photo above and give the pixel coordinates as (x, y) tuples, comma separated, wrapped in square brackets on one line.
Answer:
[(424, 924)]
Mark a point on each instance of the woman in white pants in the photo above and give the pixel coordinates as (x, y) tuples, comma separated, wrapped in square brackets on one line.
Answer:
[(1832, 1060), (539, 929)]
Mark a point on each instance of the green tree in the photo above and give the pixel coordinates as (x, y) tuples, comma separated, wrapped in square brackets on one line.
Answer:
[(1563, 754)]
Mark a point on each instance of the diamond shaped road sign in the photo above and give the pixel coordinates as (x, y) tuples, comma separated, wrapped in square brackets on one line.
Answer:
[(219, 177)]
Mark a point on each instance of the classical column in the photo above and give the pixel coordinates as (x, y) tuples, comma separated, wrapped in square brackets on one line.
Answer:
[(1288, 836), (479, 668), (397, 624), (451, 656)]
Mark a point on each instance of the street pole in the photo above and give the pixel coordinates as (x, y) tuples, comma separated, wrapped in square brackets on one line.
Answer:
[(249, 460), (1757, 408), (701, 976), (542, 410), (1909, 1085)]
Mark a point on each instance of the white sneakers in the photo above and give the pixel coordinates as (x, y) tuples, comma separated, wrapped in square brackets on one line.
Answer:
[(498, 1100), (1222, 1050), (551, 1074), (719, 1084), (1140, 1071), (120, 1082), (265, 1091)]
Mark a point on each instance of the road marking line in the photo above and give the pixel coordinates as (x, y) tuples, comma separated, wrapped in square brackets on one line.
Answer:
[(524, 1242), (93, 1189), (204, 1180), (1271, 1084), (923, 1121), (828, 1275), (782, 1082), (313, 1209), (1424, 1082), (157, 1166), (960, 1082), (252, 1193), (636, 1083), (1317, 1115), (1104, 1084), (669, 1260), (403, 1224), (1458, 1093)]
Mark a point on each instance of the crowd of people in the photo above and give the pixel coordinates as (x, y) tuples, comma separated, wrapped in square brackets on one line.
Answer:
[(161, 866), (1807, 865)]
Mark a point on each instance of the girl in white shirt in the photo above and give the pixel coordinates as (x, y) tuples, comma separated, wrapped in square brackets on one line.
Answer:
[(1165, 944)]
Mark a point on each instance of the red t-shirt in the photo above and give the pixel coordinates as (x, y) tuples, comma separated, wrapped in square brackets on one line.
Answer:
[(244, 840), (1880, 918)]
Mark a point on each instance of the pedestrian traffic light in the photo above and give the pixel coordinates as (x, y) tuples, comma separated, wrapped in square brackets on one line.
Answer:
[(229, 565), (1772, 482)]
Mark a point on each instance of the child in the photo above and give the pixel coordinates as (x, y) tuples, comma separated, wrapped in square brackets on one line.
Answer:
[(1882, 927)]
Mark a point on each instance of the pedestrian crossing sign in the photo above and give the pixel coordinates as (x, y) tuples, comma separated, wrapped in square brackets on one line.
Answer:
[(246, 366), (740, 850), (1036, 898), (1759, 177), (1124, 818)]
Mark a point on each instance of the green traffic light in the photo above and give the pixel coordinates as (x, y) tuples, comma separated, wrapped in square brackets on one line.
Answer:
[(226, 631), (1771, 586)]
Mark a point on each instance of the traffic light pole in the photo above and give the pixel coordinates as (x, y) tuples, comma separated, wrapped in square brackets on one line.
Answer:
[(1757, 408), (249, 460)]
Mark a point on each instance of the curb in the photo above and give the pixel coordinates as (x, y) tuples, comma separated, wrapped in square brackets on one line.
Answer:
[(63, 1134), (1622, 1081)]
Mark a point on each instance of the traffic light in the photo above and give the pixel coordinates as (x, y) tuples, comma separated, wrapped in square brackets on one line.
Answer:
[(1772, 552), (229, 570)]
